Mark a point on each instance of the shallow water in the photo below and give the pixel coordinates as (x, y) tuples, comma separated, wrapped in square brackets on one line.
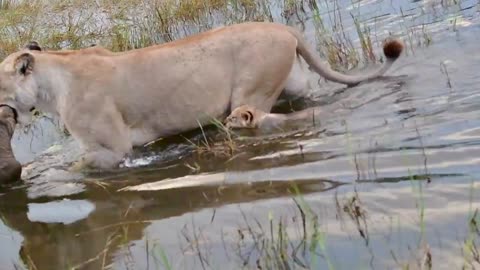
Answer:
[(391, 181)]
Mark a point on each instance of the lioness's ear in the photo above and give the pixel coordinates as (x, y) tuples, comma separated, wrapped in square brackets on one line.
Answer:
[(34, 46), (24, 63)]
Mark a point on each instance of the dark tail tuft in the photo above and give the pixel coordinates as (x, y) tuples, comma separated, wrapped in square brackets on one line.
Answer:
[(393, 48)]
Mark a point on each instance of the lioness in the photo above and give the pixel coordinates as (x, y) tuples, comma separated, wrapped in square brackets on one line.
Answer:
[(114, 101)]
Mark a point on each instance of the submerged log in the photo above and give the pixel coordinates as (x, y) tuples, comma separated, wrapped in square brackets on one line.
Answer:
[(10, 168)]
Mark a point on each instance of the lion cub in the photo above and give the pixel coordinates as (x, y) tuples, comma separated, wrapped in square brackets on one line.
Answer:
[(247, 116)]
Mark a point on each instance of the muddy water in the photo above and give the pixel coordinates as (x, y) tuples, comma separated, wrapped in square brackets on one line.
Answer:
[(391, 181)]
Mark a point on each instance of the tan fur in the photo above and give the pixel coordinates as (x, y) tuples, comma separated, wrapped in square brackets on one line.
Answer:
[(93, 49), (112, 101), (98, 50)]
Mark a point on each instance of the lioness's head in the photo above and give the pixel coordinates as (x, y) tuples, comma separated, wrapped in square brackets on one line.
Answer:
[(18, 86)]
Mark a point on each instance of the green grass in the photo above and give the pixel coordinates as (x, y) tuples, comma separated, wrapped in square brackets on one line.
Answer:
[(126, 24)]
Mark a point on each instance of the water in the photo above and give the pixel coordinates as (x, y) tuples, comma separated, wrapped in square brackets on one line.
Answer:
[(390, 182)]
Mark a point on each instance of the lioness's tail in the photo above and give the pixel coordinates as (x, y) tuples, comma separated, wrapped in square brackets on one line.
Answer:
[(392, 50)]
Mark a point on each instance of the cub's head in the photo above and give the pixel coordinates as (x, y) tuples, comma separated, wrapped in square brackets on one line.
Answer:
[(18, 86), (241, 117)]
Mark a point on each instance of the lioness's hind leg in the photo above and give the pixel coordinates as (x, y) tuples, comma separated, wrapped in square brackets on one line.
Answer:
[(260, 86), (261, 98), (297, 84)]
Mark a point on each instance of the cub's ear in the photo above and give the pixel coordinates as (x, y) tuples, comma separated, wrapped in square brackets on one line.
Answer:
[(247, 116), (24, 64), (34, 46)]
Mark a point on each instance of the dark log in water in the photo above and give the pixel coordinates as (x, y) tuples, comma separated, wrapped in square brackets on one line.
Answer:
[(10, 168)]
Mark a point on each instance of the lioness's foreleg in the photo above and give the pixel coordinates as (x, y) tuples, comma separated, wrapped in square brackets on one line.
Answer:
[(102, 158), (98, 126)]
